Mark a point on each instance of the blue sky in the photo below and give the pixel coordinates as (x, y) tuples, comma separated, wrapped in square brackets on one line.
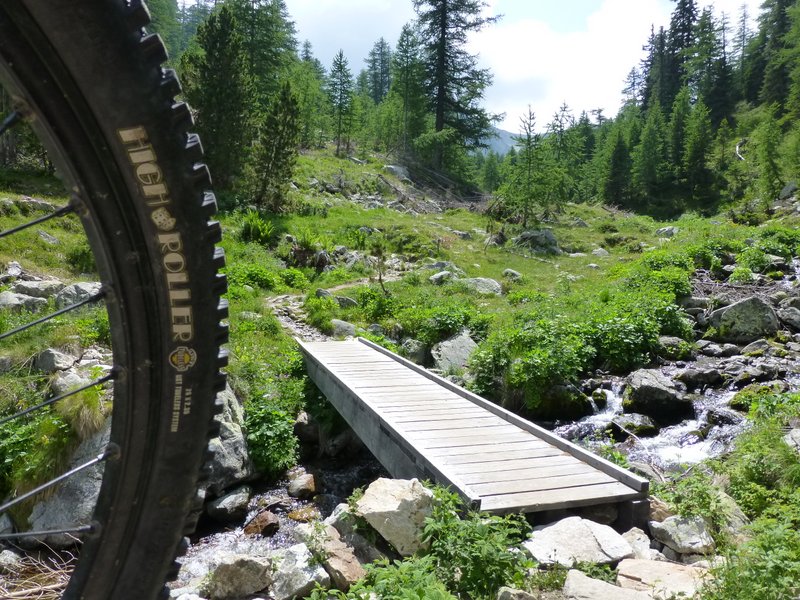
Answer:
[(542, 52)]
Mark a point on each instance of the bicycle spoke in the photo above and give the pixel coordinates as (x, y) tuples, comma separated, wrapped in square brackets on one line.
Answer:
[(22, 413), (111, 452), (64, 210), (66, 309), (9, 122), (28, 534)]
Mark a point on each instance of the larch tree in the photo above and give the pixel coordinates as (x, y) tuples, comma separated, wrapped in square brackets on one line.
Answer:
[(453, 79), (407, 90)]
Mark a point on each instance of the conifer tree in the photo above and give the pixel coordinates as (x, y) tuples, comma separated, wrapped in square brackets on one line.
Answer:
[(218, 85), (617, 171), (276, 152), (407, 88), (649, 172), (308, 84), (697, 148), (681, 109), (340, 92), (454, 82), (767, 139), (379, 70)]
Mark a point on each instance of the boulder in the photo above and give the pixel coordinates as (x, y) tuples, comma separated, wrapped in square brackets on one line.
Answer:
[(622, 426), (602, 252), (441, 277), (65, 381), (667, 232), (342, 329), (296, 573), (579, 586), (790, 317), (662, 579), (574, 540), (72, 504), (232, 507), (674, 348), (745, 321), (228, 460), (345, 302), (323, 293), (52, 360), (512, 274), (792, 439), (699, 375), (398, 171), (236, 576), (77, 292), (18, 302), (301, 484), (540, 241), (38, 289), (640, 542), (685, 535), (651, 393), (397, 509), (265, 523), (338, 559), (10, 562), (483, 285), (415, 351), (345, 523), (453, 354)]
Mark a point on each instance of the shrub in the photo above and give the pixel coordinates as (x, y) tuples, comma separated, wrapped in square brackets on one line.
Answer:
[(256, 229), (753, 259), (270, 438), (375, 304), (81, 258), (294, 278), (254, 275), (741, 274)]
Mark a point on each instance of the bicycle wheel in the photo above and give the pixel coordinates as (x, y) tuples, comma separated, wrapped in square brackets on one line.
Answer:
[(91, 83)]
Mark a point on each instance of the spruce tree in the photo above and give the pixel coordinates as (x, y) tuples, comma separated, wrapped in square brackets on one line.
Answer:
[(767, 138), (649, 158), (218, 85), (697, 148), (340, 92), (379, 72), (454, 82), (275, 153), (617, 173), (681, 109), (308, 84), (407, 87)]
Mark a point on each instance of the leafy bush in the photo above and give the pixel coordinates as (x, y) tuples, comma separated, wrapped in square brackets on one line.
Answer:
[(432, 324), (256, 229), (254, 275), (81, 258), (741, 274), (270, 438), (375, 304), (320, 311), (294, 278), (753, 259)]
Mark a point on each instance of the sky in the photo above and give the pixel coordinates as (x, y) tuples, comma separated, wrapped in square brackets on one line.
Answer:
[(542, 53)]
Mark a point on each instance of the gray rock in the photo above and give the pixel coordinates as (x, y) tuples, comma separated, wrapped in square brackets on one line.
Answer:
[(745, 321), (667, 232), (685, 535), (18, 302), (236, 576), (346, 302), (759, 346), (640, 542), (484, 285), (77, 292), (512, 274), (453, 354), (600, 252), (662, 579), (72, 504), (48, 239), (6, 524), (51, 360), (301, 483), (398, 171), (229, 459), (507, 593), (343, 329), (397, 509), (38, 289), (415, 351), (10, 562), (792, 439), (788, 190), (790, 317), (541, 241), (376, 329), (694, 302), (338, 559), (345, 523), (651, 393), (622, 426), (699, 375), (322, 293), (65, 381), (296, 573), (232, 507), (441, 277), (579, 586), (574, 540)]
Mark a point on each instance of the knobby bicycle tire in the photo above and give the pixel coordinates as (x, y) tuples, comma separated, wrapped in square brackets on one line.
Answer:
[(90, 80)]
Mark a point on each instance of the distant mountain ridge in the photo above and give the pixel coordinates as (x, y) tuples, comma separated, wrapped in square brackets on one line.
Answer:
[(501, 142)]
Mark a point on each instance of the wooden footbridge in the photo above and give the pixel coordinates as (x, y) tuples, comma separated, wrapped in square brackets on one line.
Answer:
[(420, 425)]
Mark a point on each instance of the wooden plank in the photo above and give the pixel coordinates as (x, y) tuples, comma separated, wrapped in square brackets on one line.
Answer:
[(476, 442), (427, 416), (557, 482), (528, 443), (520, 460), (556, 499), (475, 456), (492, 432), (573, 468), (451, 424)]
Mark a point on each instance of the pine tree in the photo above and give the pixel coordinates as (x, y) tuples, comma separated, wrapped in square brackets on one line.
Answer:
[(308, 84), (775, 21), (681, 109), (680, 41), (340, 92), (649, 173), (276, 152), (767, 138), (218, 85), (617, 176), (407, 88), (454, 82), (164, 14)]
